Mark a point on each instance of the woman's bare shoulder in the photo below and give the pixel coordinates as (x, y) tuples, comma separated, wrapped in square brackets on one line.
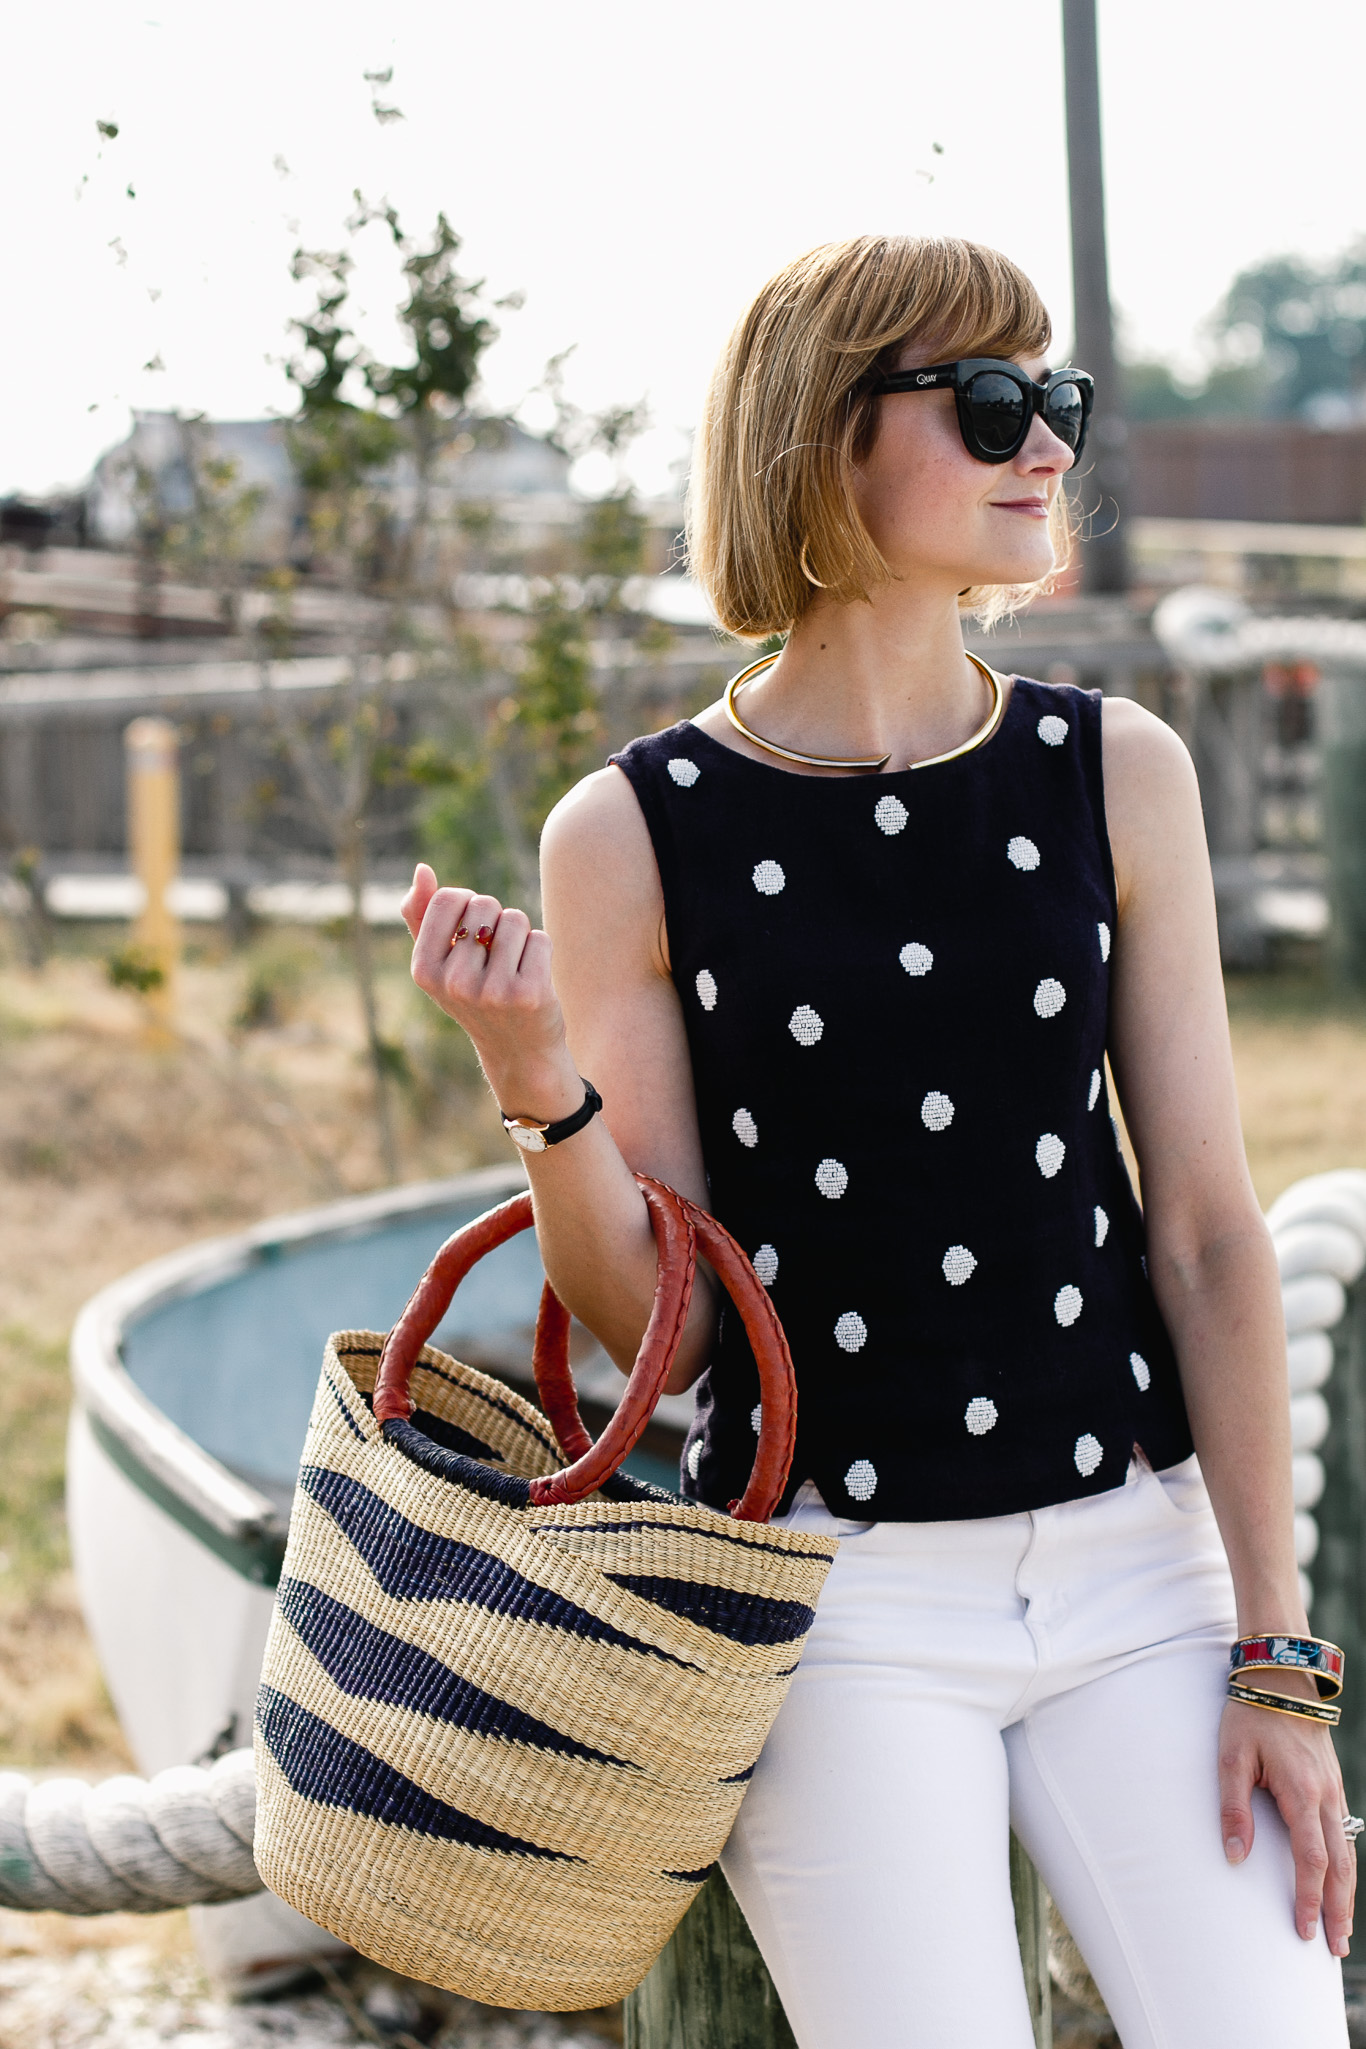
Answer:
[(598, 819), (1137, 745), (1152, 798), (597, 861)]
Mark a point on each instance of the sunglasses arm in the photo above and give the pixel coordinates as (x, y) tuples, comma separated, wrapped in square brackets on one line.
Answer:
[(940, 376)]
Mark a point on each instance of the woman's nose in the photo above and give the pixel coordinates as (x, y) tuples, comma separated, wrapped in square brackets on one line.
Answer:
[(1044, 450)]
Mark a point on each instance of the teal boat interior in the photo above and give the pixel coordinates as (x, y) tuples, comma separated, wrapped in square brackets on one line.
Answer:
[(235, 1364)]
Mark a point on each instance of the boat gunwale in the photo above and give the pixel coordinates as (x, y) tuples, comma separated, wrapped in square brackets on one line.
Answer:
[(155, 1454)]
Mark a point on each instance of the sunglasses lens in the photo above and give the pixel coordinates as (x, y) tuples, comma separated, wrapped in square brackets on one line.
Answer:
[(998, 412), (1065, 413)]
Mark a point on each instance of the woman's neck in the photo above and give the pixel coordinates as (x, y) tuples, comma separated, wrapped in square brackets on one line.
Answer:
[(871, 679)]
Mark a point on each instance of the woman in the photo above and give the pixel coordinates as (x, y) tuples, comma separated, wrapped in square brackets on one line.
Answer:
[(847, 966)]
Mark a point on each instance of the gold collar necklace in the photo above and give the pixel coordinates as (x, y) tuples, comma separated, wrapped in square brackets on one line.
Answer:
[(983, 733)]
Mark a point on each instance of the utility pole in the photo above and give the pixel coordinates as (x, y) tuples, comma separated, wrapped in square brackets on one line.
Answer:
[(1105, 470)]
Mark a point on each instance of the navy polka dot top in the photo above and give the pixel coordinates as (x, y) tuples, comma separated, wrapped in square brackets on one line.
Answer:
[(896, 989)]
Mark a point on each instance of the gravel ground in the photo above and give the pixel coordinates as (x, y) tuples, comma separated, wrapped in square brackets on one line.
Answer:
[(113, 1992), (129, 1999)]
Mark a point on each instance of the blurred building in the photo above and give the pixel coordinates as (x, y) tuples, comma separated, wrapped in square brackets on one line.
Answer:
[(1287, 471), (493, 464)]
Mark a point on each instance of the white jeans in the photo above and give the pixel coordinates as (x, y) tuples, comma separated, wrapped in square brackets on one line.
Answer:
[(1062, 1672)]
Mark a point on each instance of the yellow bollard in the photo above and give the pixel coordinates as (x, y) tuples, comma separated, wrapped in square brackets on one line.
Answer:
[(152, 758)]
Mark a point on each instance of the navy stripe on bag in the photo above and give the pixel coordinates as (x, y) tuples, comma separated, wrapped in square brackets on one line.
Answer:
[(370, 1664)]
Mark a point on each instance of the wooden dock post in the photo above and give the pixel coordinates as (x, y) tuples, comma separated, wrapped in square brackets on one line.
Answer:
[(152, 759), (711, 1988), (1343, 700)]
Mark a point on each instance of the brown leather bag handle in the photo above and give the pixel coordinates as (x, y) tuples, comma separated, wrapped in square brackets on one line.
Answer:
[(679, 1227)]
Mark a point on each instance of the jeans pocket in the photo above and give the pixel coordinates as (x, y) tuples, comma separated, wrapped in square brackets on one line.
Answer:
[(1183, 1488), (809, 1512)]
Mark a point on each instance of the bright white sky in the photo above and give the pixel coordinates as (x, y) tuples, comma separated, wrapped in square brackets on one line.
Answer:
[(637, 171)]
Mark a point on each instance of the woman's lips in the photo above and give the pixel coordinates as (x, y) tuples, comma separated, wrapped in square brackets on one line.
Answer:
[(1033, 508)]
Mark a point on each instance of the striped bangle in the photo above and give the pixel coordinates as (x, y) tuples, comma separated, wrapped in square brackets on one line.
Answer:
[(1284, 1704), (1293, 1653)]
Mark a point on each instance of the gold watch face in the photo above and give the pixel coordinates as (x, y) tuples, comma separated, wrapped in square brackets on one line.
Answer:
[(530, 1137)]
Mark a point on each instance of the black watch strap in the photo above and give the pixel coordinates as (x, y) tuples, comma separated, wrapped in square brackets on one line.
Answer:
[(534, 1138)]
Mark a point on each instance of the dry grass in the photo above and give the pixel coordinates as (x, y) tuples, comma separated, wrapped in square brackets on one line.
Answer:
[(1301, 1060), (112, 1152)]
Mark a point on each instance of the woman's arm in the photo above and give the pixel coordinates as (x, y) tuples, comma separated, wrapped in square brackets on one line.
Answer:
[(608, 1012), (1213, 1272)]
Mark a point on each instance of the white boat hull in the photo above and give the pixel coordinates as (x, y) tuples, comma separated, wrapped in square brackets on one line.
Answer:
[(179, 1634), (180, 1691)]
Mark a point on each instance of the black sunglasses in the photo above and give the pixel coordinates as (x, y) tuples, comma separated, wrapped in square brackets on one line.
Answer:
[(997, 401)]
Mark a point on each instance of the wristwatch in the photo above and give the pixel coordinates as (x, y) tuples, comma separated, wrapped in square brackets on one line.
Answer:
[(533, 1136)]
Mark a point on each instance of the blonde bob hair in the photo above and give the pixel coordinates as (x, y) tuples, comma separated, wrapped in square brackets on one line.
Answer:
[(791, 412)]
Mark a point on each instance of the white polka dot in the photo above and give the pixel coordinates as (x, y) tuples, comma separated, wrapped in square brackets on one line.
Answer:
[(1067, 1305), (891, 814), (684, 772), (1087, 1455), (765, 1264), (1022, 854), (1119, 1142), (768, 878), (980, 1415), (1052, 730), (851, 1332), (832, 1178), (958, 1264), (806, 1025), (1102, 1227), (694, 1456), (756, 1418), (861, 1480), (1093, 1093), (1049, 997), (1141, 1369), (916, 959), (1144, 1264), (1050, 1153), (1103, 934), (706, 989), (745, 1128), (936, 1112)]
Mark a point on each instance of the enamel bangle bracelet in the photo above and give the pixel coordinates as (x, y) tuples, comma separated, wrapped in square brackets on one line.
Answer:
[(1291, 1654), (1284, 1703)]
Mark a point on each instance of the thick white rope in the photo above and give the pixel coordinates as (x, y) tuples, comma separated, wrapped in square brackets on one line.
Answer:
[(129, 1845), (1318, 1228)]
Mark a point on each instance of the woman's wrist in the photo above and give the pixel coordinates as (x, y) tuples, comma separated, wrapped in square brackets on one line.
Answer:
[(547, 1088), (1269, 1599)]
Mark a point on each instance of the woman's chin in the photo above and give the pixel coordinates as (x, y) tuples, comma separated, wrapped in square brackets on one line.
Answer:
[(1018, 566)]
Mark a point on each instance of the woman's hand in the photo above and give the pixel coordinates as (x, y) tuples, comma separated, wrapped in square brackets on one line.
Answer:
[(1295, 1762), (490, 971)]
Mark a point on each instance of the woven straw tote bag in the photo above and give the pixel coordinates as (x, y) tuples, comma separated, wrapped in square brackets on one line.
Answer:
[(511, 1697)]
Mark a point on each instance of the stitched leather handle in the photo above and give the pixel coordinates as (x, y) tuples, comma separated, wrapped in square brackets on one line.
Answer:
[(777, 1379), (680, 1227), (431, 1298)]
